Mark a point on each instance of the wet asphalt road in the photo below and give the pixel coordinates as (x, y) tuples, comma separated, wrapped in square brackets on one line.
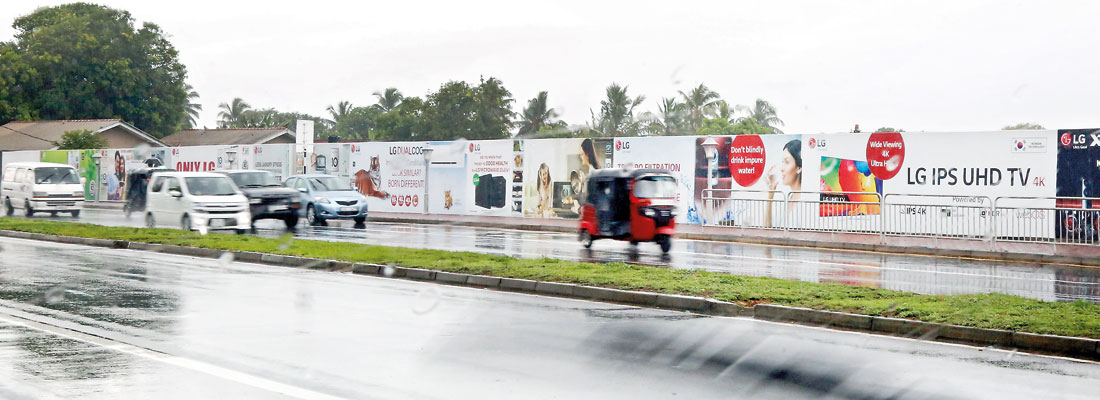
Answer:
[(921, 274), (90, 323)]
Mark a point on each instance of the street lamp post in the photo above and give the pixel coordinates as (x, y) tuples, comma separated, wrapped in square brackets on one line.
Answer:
[(95, 177), (427, 151), (710, 148)]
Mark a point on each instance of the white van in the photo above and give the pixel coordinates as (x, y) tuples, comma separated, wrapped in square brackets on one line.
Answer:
[(42, 187), (196, 201)]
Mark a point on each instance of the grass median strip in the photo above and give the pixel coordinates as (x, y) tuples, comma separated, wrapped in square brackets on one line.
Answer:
[(996, 311)]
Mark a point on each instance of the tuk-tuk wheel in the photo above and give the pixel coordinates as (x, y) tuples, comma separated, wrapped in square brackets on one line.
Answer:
[(665, 242), (76, 213), (586, 238)]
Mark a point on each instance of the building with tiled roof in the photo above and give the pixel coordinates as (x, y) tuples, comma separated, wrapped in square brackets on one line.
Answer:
[(229, 136), (44, 135)]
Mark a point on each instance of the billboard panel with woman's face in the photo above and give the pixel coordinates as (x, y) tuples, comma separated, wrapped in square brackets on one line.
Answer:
[(557, 173), (762, 170)]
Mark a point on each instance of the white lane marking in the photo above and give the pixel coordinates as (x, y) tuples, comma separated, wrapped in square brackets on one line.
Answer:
[(186, 363)]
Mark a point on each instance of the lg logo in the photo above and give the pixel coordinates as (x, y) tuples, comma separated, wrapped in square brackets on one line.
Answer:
[(1079, 140), (622, 145)]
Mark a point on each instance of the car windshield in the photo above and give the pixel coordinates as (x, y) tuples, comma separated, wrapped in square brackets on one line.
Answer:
[(655, 187), (210, 186), (54, 175), (329, 183), (254, 179)]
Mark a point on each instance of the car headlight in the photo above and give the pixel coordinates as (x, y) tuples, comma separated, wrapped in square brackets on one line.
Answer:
[(255, 201), (322, 200), (649, 212), (672, 212), (39, 194), (78, 194)]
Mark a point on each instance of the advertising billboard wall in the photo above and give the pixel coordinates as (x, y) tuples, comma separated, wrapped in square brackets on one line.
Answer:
[(670, 153), (494, 177), (940, 170), (556, 173), (761, 169), (390, 175), (446, 178), (1078, 176)]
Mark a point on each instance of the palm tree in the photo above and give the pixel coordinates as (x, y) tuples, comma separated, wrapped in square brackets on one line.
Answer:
[(536, 115), (231, 113), (617, 113), (764, 115), (340, 111), (191, 108), (723, 110), (700, 102), (388, 99), (671, 114)]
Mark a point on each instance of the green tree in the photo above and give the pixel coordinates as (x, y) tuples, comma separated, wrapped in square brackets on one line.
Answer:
[(340, 111), (15, 77), (669, 120), (722, 126), (699, 103), (407, 121), (764, 114), (723, 110), (388, 99), (89, 61), (271, 118), (79, 140), (616, 117), (494, 110), (192, 108), (537, 116), (1023, 126), (751, 127), (357, 123), (231, 113)]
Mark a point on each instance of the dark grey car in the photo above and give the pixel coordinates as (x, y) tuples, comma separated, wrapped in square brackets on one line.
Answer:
[(267, 197)]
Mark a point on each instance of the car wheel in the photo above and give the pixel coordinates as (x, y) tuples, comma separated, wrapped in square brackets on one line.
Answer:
[(53, 213), (242, 231), (360, 220), (27, 209), (665, 242), (291, 222), (150, 222), (185, 223), (76, 213), (8, 209), (311, 215), (586, 239)]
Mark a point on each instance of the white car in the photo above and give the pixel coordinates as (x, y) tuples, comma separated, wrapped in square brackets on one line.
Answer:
[(196, 201), (42, 187)]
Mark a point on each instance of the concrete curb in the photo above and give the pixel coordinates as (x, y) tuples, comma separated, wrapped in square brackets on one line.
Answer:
[(1047, 344)]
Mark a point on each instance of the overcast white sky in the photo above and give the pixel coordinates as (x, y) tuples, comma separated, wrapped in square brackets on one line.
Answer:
[(825, 65)]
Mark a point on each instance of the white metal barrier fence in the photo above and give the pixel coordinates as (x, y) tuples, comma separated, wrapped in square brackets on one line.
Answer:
[(1071, 220)]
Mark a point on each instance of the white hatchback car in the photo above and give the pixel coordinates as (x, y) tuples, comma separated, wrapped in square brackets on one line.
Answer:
[(196, 201), (42, 187)]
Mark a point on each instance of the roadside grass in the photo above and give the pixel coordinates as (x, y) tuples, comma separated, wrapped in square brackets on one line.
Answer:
[(997, 311)]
